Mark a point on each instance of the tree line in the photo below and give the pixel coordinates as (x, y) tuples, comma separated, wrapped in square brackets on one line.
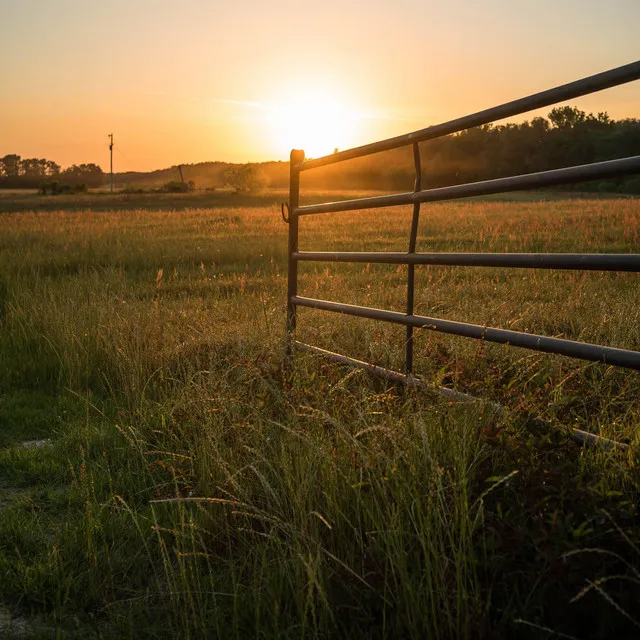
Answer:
[(568, 136), (31, 173)]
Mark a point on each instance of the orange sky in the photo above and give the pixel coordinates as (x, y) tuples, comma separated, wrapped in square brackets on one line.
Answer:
[(197, 80)]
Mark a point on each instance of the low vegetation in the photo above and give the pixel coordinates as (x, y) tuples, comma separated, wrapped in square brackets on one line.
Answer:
[(176, 482), (54, 188)]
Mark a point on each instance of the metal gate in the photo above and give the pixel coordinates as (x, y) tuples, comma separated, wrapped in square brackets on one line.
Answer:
[(577, 261)]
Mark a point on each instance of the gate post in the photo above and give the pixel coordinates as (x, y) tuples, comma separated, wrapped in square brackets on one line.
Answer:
[(295, 161), (408, 363)]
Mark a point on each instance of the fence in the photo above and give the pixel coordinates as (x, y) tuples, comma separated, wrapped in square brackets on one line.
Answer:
[(577, 261)]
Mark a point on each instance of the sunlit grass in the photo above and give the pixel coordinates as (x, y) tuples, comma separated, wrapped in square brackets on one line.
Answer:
[(190, 490)]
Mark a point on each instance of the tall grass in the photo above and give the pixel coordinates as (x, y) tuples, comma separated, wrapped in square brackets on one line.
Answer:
[(191, 491)]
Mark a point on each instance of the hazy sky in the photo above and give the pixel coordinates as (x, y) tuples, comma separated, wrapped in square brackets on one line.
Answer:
[(180, 81)]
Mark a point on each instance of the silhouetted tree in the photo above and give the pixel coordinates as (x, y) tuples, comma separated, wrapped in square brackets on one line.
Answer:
[(243, 177), (10, 166), (89, 174)]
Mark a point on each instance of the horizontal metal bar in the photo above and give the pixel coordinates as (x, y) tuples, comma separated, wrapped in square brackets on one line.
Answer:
[(396, 376), (574, 349), (457, 396), (591, 438), (591, 84), (582, 261), (580, 173)]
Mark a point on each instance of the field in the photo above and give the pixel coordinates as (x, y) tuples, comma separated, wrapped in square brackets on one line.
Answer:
[(161, 477)]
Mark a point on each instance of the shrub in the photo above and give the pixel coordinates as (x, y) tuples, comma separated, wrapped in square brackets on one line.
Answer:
[(54, 188), (175, 187)]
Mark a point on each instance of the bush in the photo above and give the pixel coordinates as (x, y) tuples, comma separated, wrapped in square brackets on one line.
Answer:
[(54, 188), (175, 187)]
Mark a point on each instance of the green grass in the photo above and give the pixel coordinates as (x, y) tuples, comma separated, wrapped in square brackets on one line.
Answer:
[(189, 490)]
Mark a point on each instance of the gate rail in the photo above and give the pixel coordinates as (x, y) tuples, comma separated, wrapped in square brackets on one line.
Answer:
[(577, 261)]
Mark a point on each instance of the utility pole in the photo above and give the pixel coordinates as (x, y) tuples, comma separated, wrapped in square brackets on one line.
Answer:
[(111, 158)]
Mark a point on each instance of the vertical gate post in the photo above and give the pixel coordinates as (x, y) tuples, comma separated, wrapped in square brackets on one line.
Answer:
[(408, 363), (295, 160)]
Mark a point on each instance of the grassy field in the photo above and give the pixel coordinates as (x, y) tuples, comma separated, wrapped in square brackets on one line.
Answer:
[(180, 487)]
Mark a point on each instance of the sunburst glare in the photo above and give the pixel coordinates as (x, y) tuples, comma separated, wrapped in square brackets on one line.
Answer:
[(316, 122)]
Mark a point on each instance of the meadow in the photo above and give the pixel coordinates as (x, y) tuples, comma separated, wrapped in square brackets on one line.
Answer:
[(177, 483)]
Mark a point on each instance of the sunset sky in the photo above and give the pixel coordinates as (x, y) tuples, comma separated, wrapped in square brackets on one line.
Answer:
[(245, 80)]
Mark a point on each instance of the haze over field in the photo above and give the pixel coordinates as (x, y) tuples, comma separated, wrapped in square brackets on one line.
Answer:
[(196, 81)]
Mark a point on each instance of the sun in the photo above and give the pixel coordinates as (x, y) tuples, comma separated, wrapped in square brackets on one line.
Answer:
[(315, 122)]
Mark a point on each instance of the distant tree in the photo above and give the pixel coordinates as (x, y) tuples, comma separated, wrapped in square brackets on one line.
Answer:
[(10, 166), (89, 174), (32, 168), (243, 178), (566, 117), (51, 168)]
